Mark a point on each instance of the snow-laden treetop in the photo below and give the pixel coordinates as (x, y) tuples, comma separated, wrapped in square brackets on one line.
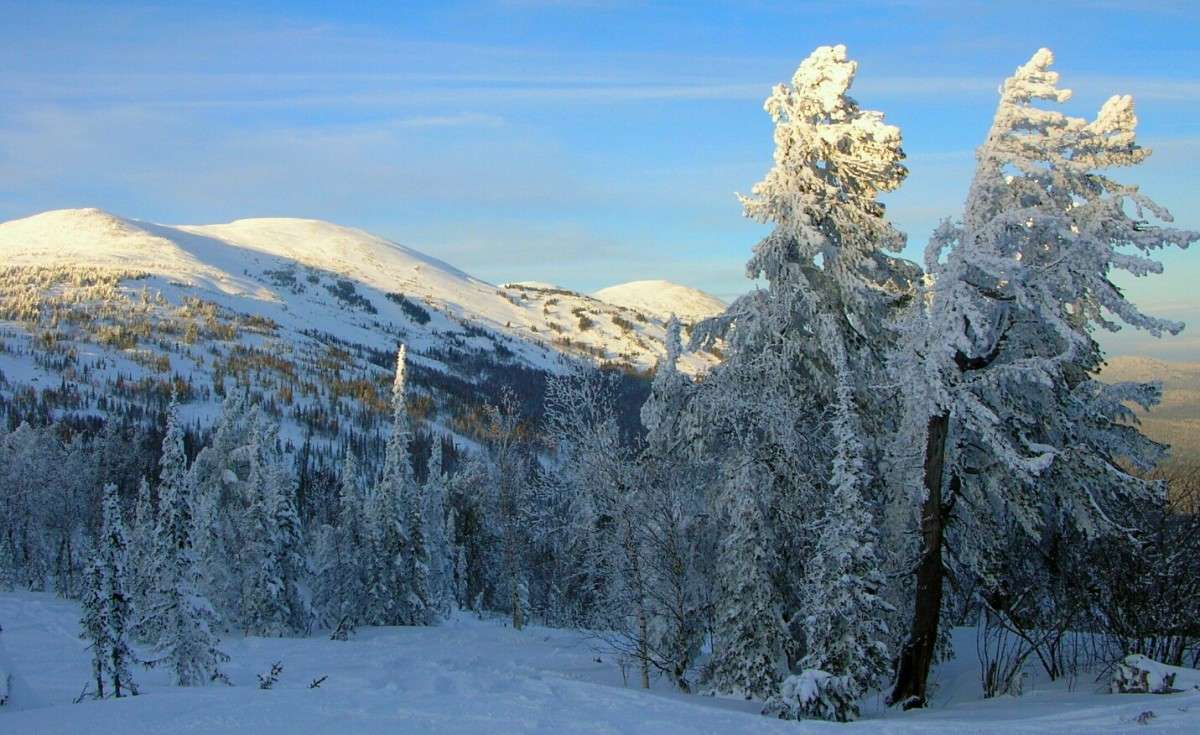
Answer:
[(832, 159)]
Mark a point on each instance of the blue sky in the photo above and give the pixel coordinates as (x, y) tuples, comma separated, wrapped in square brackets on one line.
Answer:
[(580, 142)]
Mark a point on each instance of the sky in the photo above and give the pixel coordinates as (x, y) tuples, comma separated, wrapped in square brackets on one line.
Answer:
[(579, 142)]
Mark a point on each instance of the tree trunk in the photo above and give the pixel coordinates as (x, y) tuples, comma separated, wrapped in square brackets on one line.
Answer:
[(643, 645), (518, 616), (633, 555), (912, 674)]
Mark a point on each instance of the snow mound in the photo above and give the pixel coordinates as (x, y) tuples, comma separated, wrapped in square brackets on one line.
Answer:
[(662, 299), (1139, 674)]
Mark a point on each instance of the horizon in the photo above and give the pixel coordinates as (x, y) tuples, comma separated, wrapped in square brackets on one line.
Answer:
[(579, 143)]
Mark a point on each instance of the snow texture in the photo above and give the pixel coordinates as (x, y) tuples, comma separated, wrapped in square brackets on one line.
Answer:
[(473, 676)]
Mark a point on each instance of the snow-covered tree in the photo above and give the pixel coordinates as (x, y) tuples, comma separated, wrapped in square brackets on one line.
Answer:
[(439, 523), (273, 603), (220, 475), (142, 548), (750, 655), (1004, 352), (389, 563), (812, 340), (8, 566), (28, 458), (845, 621), (179, 620), (107, 614), (94, 624), (663, 412), (580, 506), (423, 602), (675, 537), (510, 469), (341, 572)]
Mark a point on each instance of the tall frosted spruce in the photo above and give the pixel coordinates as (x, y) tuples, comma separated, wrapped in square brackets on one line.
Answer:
[(673, 529), (180, 621), (273, 603), (398, 586), (438, 520), (1001, 353), (341, 576), (812, 342), (107, 606)]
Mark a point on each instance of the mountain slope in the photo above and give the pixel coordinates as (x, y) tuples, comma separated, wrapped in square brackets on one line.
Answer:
[(662, 299), (101, 313)]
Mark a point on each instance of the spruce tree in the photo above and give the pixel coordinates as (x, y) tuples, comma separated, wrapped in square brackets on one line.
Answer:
[(142, 549), (94, 623), (180, 621), (749, 657), (439, 521), (220, 476), (277, 568), (1002, 350), (341, 581), (390, 568), (113, 554), (812, 340)]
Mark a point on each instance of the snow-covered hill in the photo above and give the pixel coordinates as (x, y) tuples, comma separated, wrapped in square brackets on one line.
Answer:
[(662, 299), (306, 314)]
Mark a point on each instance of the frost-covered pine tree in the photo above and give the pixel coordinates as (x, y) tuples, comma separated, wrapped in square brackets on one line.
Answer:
[(264, 609), (750, 658), (142, 550), (423, 602), (844, 622), (389, 587), (8, 567), (663, 411), (439, 522), (816, 336), (1004, 353), (341, 580), (670, 512), (222, 493), (273, 603), (293, 560), (509, 476), (94, 624), (180, 621), (107, 613)]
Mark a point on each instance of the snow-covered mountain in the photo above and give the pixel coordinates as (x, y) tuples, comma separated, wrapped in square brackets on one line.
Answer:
[(662, 299), (97, 311)]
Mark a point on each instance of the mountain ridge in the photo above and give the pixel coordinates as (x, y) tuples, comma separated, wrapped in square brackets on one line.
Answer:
[(663, 298), (116, 312)]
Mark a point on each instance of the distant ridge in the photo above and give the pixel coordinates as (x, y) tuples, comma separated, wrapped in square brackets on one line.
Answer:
[(662, 299)]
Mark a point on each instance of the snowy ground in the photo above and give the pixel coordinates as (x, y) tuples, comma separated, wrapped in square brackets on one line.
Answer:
[(471, 676)]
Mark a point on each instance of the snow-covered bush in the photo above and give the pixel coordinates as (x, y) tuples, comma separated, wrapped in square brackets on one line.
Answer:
[(817, 695)]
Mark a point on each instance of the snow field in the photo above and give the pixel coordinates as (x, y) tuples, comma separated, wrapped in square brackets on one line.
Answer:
[(479, 676)]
